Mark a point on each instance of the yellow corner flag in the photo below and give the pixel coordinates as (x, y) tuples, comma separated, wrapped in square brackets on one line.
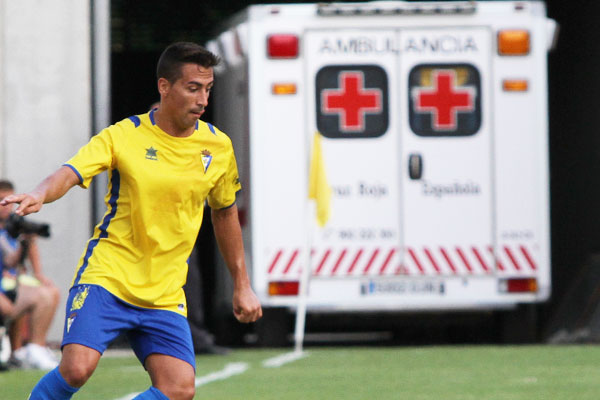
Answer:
[(318, 187)]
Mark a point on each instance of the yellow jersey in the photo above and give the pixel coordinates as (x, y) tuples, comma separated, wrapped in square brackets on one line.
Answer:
[(157, 187)]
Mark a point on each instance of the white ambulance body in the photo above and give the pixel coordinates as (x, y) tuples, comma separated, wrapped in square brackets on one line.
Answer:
[(434, 132)]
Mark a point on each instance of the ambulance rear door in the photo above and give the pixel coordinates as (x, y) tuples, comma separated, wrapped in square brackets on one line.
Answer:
[(350, 76), (447, 158)]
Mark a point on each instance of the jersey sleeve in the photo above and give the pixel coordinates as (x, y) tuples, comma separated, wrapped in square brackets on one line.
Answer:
[(93, 158), (222, 195)]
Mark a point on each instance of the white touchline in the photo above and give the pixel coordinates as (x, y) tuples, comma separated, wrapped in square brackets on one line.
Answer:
[(230, 370), (129, 396), (285, 358)]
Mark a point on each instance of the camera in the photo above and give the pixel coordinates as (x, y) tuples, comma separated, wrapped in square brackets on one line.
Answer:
[(17, 225)]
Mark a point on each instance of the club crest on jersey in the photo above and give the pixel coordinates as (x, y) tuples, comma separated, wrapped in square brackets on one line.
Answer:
[(206, 159), (80, 298), (151, 154)]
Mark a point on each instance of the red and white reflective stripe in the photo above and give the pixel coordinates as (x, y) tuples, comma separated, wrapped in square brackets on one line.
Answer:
[(429, 260), (355, 261), (339, 260), (469, 260), (336, 262), (528, 257), (387, 260)]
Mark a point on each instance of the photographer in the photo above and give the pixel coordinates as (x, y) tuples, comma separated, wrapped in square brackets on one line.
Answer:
[(22, 294)]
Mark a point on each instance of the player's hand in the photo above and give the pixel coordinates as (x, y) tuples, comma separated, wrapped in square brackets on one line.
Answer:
[(28, 203), (246, 306)]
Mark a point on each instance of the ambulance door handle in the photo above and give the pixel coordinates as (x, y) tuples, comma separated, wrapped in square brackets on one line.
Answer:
[(415, 166)]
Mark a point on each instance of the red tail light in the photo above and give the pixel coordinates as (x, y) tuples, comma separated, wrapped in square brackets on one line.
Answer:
[(282, 46), (284, 288), (519, 285)]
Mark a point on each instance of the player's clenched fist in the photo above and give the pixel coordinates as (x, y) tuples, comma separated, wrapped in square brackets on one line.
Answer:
[(246, 306)]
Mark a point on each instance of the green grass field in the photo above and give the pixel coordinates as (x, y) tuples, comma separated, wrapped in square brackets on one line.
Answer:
[(421, 373)]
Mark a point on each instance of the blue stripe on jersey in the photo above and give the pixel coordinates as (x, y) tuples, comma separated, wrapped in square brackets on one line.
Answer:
[(212, 128), (197, 125), (229, 206), (152, 116), (136, 120), (76, 172), (115, 182)]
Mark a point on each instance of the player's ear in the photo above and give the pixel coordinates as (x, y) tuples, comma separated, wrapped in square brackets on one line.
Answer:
[(163, 86)]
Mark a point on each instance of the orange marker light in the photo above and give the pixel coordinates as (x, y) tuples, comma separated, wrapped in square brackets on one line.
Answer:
[(513, 42), (515, 85), (284, 88)]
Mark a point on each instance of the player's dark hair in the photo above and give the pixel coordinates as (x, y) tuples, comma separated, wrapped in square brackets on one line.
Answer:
[(6, 185), (179, 53)]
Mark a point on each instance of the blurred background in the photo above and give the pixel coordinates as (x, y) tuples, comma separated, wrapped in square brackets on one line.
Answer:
[(52, 47)]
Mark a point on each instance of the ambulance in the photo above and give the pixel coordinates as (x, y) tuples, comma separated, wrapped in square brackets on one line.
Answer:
[(433, 127)]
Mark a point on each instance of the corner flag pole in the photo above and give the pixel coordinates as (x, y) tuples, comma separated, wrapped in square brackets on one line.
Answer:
[(303, 290), (319, 190)]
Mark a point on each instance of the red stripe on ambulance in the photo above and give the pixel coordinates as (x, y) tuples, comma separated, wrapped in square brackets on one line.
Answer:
[(322, 263), (416, 260), (339, 261), (373, 256), (480, 259), (512, 258), (387, 261), (462, 256), (432, 260), (291, 261), (355, 261), (448, 260), (274, 263), (528, 257)]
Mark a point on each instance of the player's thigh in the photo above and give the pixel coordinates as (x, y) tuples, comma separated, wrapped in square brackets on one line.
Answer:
[(172, 376)]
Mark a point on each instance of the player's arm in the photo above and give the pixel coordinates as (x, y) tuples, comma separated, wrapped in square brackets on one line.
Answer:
[(246, 306), (50, 189)]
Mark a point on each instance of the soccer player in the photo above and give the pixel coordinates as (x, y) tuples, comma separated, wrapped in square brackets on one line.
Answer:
[(162, 166)]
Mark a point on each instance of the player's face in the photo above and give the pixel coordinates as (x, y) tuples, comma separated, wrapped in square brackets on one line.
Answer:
[(187, 97), (5, 210)]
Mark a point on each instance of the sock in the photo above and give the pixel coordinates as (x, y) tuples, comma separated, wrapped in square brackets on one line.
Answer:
[(52, 387), (151, 394)]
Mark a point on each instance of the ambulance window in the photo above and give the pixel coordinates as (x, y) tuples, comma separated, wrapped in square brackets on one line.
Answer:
[(444, 99)]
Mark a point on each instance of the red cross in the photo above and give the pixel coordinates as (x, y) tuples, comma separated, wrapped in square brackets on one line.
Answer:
[(444, 100), (351, 101)]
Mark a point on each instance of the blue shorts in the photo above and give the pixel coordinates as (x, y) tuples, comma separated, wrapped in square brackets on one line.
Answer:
[(95, 317)]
